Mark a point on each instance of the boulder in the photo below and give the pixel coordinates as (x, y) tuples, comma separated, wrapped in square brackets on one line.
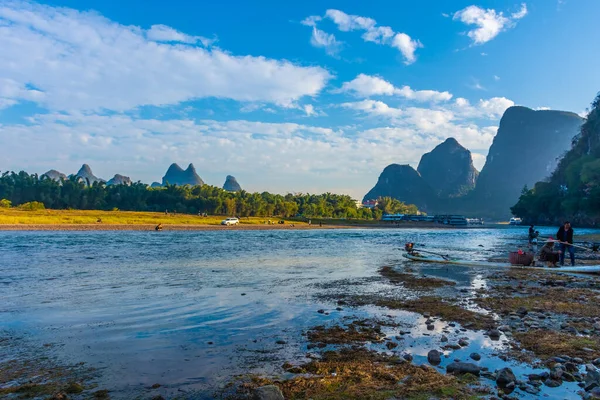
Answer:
[(504, 377), (459, 368), (434, 357)]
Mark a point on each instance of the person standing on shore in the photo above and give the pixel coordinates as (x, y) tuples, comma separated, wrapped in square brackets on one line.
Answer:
[(532, 234), (565, 235)]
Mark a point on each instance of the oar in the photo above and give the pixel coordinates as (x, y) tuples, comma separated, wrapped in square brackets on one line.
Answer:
[(568, 244), (444, 256)]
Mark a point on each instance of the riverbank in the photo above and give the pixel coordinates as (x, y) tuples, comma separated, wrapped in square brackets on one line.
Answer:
[(96, 220)]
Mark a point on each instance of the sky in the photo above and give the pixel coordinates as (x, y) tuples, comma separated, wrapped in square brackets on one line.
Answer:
[(311, 96)]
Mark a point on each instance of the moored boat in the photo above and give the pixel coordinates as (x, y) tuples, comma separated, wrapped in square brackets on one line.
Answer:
[(415, 256)]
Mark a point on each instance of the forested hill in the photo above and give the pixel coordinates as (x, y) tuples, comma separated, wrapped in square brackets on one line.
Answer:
[(573, 190), (20, 188)]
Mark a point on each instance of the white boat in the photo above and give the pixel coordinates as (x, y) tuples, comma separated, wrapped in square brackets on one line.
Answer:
[(584, 269), (515, 221)]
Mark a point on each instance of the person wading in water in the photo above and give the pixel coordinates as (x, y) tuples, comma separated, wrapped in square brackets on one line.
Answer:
[(565, 235)]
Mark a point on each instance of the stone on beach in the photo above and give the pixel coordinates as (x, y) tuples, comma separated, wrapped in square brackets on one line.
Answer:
[(463, 368), (269, 392), (504, 377), (434, 357)]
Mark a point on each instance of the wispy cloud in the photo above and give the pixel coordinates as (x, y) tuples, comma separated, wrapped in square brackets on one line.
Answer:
[(489, 22), (366, 86), (383, 35), (163, 33), (82, 61), (325, 40)]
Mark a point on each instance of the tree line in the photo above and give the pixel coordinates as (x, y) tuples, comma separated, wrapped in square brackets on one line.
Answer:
[(572, 192), (73, 193)]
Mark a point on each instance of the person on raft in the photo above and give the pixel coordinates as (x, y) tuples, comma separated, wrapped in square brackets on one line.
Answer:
[(565, 236), (548, 254), (158, 227)]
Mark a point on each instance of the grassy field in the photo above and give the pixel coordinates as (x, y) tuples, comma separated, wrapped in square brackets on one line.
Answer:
[(12, 216)]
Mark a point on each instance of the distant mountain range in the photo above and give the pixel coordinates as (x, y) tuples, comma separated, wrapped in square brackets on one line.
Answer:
[(525, 150), (175, 175)]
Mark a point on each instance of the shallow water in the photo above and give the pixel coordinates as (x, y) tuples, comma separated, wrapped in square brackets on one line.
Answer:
[(189, 310)]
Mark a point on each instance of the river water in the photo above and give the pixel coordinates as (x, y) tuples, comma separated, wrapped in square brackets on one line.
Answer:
[(189, 310)]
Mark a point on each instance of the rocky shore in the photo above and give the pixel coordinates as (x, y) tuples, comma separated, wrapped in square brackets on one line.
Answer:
[(546, 327), (409, 332)]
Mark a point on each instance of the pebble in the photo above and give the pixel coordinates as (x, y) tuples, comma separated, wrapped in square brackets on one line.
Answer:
[(475, 356), (407, 356), (444, 338), (321, 311), (463, 342)]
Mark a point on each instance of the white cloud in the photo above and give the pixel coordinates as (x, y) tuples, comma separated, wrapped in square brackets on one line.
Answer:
[(377, 34), (521, 13), (542, 108), (367, 85), (309, 109), (426, 119), (311, 21), (492, 108), (163, 33), (263, 156), (496, 78), (407, 47), (495, 107), (489, 23), (347, 22), (373, 107), (423, 95), (82, 61), (325, 40)]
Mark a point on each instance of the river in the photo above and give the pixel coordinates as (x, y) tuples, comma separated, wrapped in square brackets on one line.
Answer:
[(190, 310)]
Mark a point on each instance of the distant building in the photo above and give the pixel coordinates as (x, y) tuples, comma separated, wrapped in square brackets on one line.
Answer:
[(358, 203), (370, 203)]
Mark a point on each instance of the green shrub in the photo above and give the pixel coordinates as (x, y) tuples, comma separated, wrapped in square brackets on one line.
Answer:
[(5, 203), (32, 206)]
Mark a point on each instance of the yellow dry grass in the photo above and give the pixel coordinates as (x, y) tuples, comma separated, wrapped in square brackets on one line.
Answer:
[(11, 216)]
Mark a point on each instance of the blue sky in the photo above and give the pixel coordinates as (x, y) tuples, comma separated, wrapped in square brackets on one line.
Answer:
[(287, 96)]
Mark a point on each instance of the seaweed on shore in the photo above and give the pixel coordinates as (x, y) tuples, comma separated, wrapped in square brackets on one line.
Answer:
[(572, 302), (411, 281), (546, 344), (356, 331), (357, 373)]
